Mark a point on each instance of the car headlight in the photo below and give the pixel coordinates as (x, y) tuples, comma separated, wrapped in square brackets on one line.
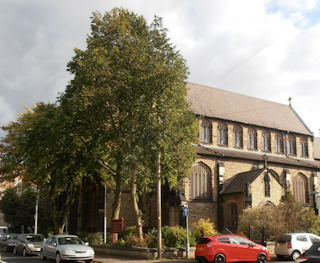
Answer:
[(30, 245)]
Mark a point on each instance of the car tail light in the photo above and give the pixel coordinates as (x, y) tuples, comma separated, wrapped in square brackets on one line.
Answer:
[(302, 259), (209, 245), (289, 245)]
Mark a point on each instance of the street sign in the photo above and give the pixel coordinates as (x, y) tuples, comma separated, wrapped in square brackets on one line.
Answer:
[(185, 210)]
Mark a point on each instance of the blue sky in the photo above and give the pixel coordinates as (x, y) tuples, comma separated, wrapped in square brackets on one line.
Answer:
[(255, 47)]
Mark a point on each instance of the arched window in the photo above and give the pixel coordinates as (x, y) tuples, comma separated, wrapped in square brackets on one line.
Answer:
[(266, 141), (301, 188), (304, 147), (279, 143), (222, 134), (252, 139), (206, 131), (292, 145), (267, 187), (200, 182), (237, 137)]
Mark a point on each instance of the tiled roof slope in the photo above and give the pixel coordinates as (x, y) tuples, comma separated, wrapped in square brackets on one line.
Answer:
[(239, 181), (217, 103), (316, 145)]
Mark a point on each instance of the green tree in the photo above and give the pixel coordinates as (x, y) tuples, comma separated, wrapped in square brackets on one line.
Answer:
[(51, 157), (18, 208), (128, 102)]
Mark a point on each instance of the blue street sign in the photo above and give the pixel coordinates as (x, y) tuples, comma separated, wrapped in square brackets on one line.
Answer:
[(186, 211)]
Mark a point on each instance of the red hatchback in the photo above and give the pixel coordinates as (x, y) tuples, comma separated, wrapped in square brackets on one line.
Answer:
[(230, 248)]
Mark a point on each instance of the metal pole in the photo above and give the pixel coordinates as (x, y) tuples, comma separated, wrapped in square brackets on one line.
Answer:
[(105, 214), (187, 226), (36, 214), (159, 202)]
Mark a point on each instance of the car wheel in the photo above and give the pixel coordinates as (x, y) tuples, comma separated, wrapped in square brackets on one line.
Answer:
[(89, 260), (14, 251), (58, 258), (262, 258), (295, 254), (219, 258)]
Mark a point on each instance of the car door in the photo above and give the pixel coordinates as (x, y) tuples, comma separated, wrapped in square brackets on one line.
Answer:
[(20, 244), (50, 248), (241, 248)]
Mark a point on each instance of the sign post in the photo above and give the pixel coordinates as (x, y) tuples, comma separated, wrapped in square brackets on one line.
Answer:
[(117, 227), (186, 214)]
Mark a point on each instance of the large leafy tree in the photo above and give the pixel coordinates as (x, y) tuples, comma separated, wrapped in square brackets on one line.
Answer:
[(127, 100), (18, 208), (42, 146)]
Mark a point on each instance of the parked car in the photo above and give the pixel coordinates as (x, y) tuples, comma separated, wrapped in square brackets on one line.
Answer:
[(230, 248), (312, 255), (292, 245), (8, 242), (28, 244), (66, 247)]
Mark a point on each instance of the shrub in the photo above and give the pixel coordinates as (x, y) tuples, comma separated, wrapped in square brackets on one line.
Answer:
[(93, 238), (286, 217), (130, 232), (203, 226)]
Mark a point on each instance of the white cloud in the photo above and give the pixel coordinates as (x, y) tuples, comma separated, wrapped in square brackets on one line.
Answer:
[(268, 49)]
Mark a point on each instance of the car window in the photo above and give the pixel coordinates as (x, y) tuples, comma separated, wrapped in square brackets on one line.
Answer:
[(239, 240), (284, 239), (69, 240), (204, 240), (33, 238), (49, 241), (302, 238), (224, 240)]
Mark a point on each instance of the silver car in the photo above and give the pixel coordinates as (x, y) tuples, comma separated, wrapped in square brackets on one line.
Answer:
[(66, 247), (28, 244), (294, 244)]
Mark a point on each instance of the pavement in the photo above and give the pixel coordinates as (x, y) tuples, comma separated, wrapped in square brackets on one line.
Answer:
[(103, 258)]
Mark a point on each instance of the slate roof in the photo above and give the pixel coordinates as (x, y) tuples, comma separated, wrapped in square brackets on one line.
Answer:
[(226, 105), (224, 152), (238, 183)]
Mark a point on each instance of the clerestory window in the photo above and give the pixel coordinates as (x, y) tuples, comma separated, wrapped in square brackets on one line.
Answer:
[(206, 132)]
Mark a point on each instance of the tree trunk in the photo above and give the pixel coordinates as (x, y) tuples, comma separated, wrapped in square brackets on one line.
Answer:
[(79, 210), (117, 199), (136, 206)]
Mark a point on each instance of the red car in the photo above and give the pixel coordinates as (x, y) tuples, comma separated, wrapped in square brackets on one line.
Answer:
[(230, 248)]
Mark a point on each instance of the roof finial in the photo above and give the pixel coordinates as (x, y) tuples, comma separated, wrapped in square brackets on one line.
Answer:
[(289, 101)]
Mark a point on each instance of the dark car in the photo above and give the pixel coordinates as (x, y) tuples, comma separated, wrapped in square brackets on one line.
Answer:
[(8, 242), (312, 255), (28, 244), (230, 248)]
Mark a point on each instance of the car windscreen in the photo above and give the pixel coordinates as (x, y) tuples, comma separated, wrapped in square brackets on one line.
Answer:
[(284, 239), (69, 240), (204, 240), (34, 238)]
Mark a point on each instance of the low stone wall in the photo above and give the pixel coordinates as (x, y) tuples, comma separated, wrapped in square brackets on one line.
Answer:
[(143, 253)]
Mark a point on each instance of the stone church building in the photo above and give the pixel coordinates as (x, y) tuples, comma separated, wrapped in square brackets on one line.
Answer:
[(249, 152)]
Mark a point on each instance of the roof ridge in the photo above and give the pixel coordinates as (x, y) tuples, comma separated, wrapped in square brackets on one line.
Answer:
[(238, 93)]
